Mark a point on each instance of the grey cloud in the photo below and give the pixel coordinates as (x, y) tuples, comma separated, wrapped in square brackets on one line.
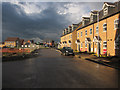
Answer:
[(46, 24)]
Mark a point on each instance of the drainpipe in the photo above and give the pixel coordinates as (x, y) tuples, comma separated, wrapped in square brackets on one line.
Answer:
[(93, 37), (106, 37)]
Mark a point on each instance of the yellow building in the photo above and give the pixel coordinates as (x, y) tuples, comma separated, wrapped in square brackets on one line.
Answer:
[(99, 33), (69, 37), (66, 38), (12, 42), (2, 45)]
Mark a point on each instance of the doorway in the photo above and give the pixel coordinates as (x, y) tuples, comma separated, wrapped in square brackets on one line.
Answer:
[(79, 47), (89, 47), (99, 48)]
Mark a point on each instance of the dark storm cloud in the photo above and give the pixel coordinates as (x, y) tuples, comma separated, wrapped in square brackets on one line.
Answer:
[(45, 24), (15, 24)]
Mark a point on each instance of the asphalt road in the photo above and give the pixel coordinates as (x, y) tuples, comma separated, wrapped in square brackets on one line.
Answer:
[(51, 70)]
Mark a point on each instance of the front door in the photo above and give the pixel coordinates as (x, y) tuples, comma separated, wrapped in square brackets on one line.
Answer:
[(99, 49), (89, 47), (79, 47)]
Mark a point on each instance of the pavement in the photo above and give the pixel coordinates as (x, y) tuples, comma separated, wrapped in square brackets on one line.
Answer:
[(113, 62), (51, 70)]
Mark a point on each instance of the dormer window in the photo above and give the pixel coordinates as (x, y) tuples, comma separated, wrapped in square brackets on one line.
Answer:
[(72, 28), (69, 29), (106, 11), (85, 20), (91, 18), (63, 32), (83, 23)]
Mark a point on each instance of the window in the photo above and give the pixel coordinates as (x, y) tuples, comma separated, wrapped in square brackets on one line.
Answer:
[(116, 24), (90, 31), (85, 44), (22, 45), (25, 45), (104, 27), (81, 45), (105, 44), (66, 31), (78, 35), (97, 29), (106, 11), (116, 44), (91, 18), (81, 34), (83, 23), (74, 27), (71, 36), (85, 32)]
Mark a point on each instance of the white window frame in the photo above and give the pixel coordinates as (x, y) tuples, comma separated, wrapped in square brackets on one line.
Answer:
[(78, 35), (104, 27), (116, 22), (81, 45), (83, 23), (104, 43), (85, 32), (28, 45), (90, 31), (22, 45), (25, 45), (81, 33), (105, 11), (91, 18), (97, 29)]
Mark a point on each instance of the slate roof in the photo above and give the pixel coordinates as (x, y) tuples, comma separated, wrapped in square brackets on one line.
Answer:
[(102, 16), (12, 39)]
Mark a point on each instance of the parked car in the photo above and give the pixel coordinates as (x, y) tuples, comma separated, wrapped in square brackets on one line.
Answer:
[(67, 51)]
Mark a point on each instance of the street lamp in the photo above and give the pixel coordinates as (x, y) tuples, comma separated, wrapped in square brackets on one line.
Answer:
[(98, 45)]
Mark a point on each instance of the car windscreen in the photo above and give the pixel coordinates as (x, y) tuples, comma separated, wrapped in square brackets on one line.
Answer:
[(67, 47)]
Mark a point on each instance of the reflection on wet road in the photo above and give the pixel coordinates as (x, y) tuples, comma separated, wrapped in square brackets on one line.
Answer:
[(51, 70)]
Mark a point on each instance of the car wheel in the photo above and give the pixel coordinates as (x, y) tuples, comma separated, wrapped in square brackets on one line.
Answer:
[(67, 54), (64, 54)]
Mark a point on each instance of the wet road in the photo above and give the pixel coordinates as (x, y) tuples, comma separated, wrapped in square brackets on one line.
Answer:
[(51, 70)]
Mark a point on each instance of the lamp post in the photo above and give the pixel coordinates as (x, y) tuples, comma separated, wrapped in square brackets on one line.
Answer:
[(98, 43)]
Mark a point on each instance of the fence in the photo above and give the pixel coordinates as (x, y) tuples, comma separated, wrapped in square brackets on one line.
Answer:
[(9, 50)]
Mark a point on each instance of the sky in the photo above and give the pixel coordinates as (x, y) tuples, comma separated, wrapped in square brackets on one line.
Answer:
[(42, 20)]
